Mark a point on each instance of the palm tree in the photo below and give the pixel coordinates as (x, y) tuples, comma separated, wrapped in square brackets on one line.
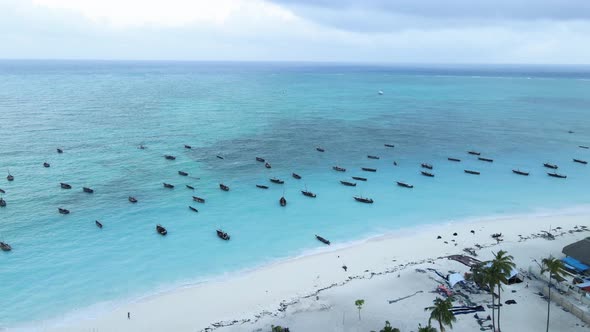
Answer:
[(441, 312), (359, 305), (502, 266), (484, 276), (555, 268), (388, 328), (427, 328)]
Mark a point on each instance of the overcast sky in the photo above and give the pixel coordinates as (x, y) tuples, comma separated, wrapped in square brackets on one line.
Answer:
[(376, 31)]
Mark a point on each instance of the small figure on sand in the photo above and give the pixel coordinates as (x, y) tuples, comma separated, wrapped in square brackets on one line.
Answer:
[(345, 268), (128, 315)]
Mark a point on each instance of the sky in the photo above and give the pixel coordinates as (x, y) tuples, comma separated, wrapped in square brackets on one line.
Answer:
[(364, 31)]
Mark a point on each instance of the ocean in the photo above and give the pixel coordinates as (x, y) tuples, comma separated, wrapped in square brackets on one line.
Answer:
[(64, 267)]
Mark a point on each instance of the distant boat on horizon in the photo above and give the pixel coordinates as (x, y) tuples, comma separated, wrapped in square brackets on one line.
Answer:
[(471, 172), (475, 153), (363, 199), (454, 159), (556, 175), (580, 161), (519, 172), (552, 166)]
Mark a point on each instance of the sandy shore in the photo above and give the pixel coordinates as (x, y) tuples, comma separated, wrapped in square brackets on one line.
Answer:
[(314, 293)]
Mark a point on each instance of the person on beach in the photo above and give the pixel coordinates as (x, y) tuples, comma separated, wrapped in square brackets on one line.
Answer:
[(128, 315)]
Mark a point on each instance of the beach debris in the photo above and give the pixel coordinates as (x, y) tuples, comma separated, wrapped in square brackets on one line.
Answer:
[(345, 268), (408, 296), (455, 234), (439, 237)]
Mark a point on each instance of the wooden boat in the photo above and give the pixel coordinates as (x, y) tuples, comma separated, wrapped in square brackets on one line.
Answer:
[(223, 187), (426, 166), (427, 174), (2, 191), (168, 185), (5, 246), (60, 150), (198, 199), (519, 172), (65, 186), (190, 187), (548, 165), (267, 165), (161, 230), (363, 199), (372, 157), (347, 183), (321, 239), (169, 157), (260, 159), (88, 190), (222, 235), (367, 169), (580, 161), (338, 169), (308, 193), (141, 147), (472, 172), (277, 181), (98, 224), (187, 146), (389, 145), (261, 186), (2, 202), (583, 146), (193, 209), (132, 199), (486, 159), (183, 173), (454, 159), (63, 211), (283, 201), (296, 176), (358, 178), (46, 165), (475, 153), (556, 175), (10, 177), (219, 157), (405, 185), (320, 149)]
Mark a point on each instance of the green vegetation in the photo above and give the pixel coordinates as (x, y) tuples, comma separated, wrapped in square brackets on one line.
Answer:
[(555, 268), (359, 305), (441, 312)]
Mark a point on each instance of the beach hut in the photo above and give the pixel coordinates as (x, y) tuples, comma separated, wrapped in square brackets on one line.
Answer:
[(574, 265), (455, 278), (515, 277), (580, 251)]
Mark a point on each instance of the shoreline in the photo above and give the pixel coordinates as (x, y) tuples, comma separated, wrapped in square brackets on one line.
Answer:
[(81, 318)]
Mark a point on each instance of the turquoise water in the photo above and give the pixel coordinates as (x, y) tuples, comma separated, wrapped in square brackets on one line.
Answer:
[(99, 112)]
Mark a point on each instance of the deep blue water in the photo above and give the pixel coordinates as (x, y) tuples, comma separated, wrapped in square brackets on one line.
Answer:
[(99, 112)]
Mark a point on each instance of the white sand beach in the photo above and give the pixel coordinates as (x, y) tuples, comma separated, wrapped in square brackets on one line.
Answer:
[(314, 293)]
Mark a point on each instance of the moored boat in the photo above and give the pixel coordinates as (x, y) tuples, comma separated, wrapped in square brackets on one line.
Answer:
[(190, 187), (10, 177), (60, 150), (46, 165), (223, 187), (132, 199), (222, 235), (358, 178), (65, 186), (552, 166), (363, 199), (347, 183), (193, 209), (187, 146), (98, 224), (183, 173), (424, 165), (453, 159), (580, 161), (169, 157), (277, 181), (471, 172), (427, 174), (267, 165), (372, 157), (63, 211), (583, 146), (519, 172), (556, 175), (389, 145), (339, 169), (405, 185), (260, 159), (161, 230), (367, 169), (219, 157), (486, 159), (2, 191), (88, 190), (168, 185), (198, 199), (5, 246), (475, 153), (261, 186), (2, 202), (320, 149), (323, 240), (308, 193), (296, 176), (283, 201)]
